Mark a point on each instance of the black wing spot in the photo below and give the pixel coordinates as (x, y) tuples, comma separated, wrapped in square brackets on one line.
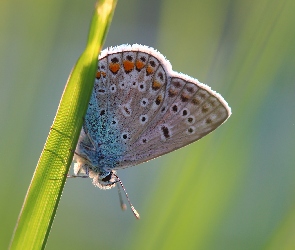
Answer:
[(165, 131), (115, 60)]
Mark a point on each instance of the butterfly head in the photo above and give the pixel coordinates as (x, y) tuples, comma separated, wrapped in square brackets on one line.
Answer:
[(105, 180)]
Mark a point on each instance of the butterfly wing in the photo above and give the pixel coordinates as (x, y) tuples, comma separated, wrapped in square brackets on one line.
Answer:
[(190, 110), (140, 109)]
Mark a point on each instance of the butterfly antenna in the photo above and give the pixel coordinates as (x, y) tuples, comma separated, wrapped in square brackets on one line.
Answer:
[(123, 206)]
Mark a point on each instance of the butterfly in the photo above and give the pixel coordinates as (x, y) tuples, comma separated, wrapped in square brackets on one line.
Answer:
[(141, 109)]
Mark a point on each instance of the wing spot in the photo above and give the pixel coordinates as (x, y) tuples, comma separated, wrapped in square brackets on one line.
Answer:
[(149, 70), (196, 101), (208, 120), (114, 67), (115, 60), (114, 122), (113, 88), (174, 108), (126, 110), (190, 119), (205, 109), (190, 89), (176, 84), (122, 85), (139, 65), (161, 76), (159, 100), (165, 131), (143, 119), (184, 97), (191, 130), (202, 95), (172, 93), (144, 102), (98, 74), (152, 63), (128, 66), (156, 85), (125, 136)]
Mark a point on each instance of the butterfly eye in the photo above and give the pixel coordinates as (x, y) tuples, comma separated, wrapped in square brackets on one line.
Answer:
[(108, 177)]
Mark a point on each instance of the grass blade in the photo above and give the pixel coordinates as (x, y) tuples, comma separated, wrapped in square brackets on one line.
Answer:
[(41, 202)]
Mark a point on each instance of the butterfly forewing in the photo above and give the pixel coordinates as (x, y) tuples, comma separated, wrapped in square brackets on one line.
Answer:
[(141, 109)]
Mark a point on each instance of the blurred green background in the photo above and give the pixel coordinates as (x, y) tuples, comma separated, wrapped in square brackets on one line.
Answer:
[(234, 189)]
